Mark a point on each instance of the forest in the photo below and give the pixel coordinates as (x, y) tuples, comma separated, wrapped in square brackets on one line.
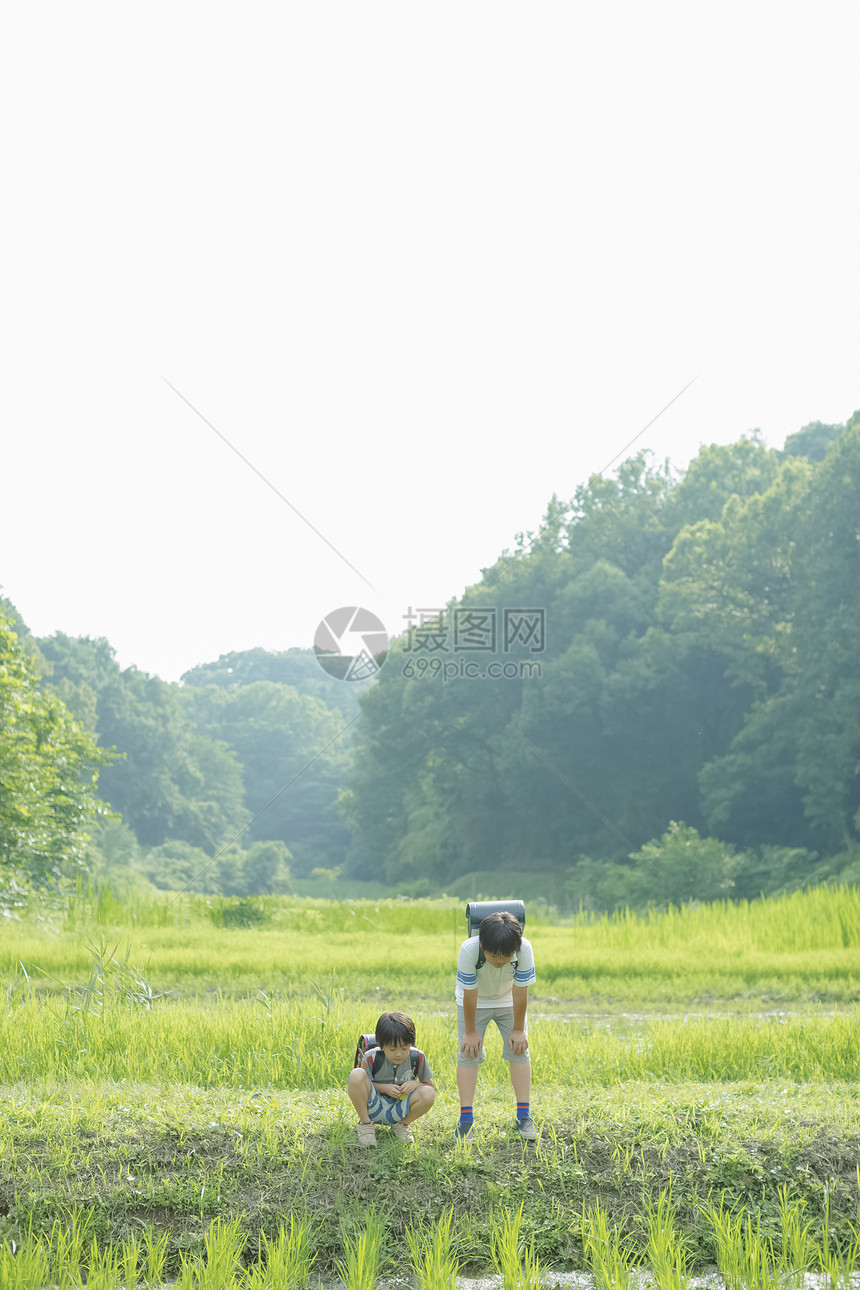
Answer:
[(684, 725)]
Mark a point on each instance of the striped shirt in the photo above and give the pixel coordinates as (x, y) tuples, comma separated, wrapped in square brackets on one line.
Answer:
[(495, 985)]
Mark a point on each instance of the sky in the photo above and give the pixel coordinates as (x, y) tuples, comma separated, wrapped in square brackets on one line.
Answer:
[(423, 266)]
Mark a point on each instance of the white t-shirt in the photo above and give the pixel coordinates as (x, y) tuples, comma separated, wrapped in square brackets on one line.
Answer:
[(495, 985)]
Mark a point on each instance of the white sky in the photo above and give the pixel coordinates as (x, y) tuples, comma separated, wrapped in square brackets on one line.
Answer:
[(422, 264)]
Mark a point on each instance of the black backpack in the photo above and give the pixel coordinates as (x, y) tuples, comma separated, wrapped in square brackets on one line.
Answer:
[(477, 911), (366, 1042)]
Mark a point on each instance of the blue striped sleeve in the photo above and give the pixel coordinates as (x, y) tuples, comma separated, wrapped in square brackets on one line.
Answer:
[(525, 973), (467, 976)]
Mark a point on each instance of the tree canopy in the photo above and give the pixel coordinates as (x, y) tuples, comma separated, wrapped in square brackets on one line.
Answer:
[(48, 770)]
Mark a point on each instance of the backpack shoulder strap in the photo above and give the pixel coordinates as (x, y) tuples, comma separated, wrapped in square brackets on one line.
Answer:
[(378, 1059), (415, 1055)]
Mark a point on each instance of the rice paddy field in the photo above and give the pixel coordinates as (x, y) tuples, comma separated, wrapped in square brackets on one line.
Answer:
[(173, 1105)]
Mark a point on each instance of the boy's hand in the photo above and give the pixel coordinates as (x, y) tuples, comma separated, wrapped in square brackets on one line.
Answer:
[(472, 1044), (519, 1043), (390, 1090), (409, 1087)]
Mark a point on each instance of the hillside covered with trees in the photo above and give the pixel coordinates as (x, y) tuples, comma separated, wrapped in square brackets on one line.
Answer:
[(687, 719)]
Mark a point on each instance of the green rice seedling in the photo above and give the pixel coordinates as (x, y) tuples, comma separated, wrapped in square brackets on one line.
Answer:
[(789, 947), (432, 1252), (25, 1266), (359, 1269), (797, 1249), (607, 1253), (189, 1273), (103, 1267), (155, 1254), (288, 1259), (130, 1261), (514, 1261), (838, 1262), (224, 1245), (68, 1235), (727, 1232), (745, 1257), (664, 1250)]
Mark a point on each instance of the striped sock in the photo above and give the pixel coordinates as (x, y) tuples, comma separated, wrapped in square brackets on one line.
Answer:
[(522, 1110), (466, 1116)]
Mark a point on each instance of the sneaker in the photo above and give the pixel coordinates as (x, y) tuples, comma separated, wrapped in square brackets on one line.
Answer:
[(526, 1128), (465, 1132), (366, 1135), (403, 1132)]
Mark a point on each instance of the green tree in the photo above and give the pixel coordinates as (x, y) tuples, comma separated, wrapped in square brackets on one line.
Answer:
[(266, 868), (49, 769), (790, 600), (293, 753), (171, 781), (812, 441), (296, 667)]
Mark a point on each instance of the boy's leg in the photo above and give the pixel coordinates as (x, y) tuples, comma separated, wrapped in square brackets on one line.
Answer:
[(359, 1089), (521, 1078), (521, 1074), (467, 1072), (419, 1103), (467, 1082)]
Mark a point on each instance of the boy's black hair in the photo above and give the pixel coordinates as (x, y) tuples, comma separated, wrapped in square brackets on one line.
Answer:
[(500, 934), (395, 1028)]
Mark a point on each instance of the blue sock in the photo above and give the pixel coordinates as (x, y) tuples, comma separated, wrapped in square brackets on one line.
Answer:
[(466, 1116), (522, 1110)]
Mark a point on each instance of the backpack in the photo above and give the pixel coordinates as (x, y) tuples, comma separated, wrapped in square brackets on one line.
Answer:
[(366, 1042), (477, 911)]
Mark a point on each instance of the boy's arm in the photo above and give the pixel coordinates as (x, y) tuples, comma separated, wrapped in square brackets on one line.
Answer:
[(472, 1041), (519, 1038)]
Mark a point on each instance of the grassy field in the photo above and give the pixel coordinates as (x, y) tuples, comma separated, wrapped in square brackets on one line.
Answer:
[(173, 1104)]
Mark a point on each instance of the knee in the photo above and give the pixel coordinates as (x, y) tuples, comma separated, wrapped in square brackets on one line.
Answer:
[(422, 1099), (357, 1078)]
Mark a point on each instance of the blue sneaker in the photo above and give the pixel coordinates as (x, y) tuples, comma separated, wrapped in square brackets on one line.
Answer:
[(465, 1132)]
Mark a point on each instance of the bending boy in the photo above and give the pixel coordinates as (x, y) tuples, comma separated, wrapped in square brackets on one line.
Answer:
[(394, 1083), (494, 972)]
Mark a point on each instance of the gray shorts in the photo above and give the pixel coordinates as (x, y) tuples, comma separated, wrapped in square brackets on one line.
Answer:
[(504, 1019)]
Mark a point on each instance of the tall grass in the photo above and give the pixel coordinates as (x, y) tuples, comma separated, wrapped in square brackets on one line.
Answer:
[(795, 947), (294, 1044)]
